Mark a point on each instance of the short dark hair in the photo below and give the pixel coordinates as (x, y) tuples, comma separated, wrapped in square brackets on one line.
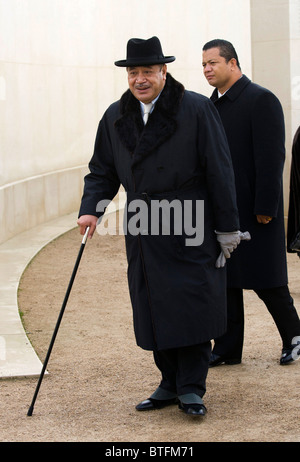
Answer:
[(226, 48)]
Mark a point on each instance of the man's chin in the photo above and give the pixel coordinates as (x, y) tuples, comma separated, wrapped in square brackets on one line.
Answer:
[(144, 99), (211, 81)]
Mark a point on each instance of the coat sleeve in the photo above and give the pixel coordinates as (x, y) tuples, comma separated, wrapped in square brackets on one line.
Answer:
[(102, 183), (268, 138), (217, 163)]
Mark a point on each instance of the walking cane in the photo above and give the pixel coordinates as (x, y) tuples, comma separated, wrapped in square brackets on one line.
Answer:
[(30, 410)]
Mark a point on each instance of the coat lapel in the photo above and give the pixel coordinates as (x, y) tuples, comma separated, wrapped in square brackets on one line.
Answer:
[(233, 92)]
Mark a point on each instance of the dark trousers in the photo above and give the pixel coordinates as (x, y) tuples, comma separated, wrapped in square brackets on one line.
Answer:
[(279, 304), (184, 370)]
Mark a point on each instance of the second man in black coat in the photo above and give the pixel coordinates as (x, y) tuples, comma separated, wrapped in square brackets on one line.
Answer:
[(254, 124)]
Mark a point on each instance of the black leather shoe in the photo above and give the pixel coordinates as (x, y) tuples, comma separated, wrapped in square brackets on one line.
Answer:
[(289, 355), (150, 404), (216, 360), (193, 409)]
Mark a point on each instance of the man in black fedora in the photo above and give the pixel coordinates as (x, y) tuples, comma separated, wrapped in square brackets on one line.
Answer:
[(174, 152)]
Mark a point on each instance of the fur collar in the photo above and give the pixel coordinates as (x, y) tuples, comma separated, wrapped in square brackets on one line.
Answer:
[(141, 140)]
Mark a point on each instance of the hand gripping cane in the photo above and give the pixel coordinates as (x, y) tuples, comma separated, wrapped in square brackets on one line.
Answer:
[(30, 410)]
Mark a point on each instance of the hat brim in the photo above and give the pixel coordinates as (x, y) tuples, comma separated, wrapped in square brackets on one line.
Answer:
[(144, 62)]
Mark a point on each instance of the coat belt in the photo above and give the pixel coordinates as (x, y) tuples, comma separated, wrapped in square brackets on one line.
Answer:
[(175, 194)]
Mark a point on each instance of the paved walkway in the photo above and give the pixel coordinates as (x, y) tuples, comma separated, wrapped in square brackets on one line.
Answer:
[(17, 357)]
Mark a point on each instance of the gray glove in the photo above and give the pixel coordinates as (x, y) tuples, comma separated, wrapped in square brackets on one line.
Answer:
[(229, 242)]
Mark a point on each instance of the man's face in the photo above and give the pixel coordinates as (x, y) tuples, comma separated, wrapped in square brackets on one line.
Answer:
[(216, 70), (146, 82)]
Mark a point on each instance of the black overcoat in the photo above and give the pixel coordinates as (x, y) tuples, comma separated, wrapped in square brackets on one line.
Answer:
[(254, 124), (294, 198), (177, 294)]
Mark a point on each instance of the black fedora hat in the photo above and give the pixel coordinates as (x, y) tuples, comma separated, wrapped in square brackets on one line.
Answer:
[(144, 53)]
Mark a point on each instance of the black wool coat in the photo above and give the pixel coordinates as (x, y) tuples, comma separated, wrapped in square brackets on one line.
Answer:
[(177, 294), (294, 198), (254, 124)]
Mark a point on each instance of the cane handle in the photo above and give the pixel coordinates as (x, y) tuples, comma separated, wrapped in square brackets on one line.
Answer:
[(85, 235)]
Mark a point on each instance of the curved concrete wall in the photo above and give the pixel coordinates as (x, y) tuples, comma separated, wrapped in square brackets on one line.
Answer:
[(27, 203)]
